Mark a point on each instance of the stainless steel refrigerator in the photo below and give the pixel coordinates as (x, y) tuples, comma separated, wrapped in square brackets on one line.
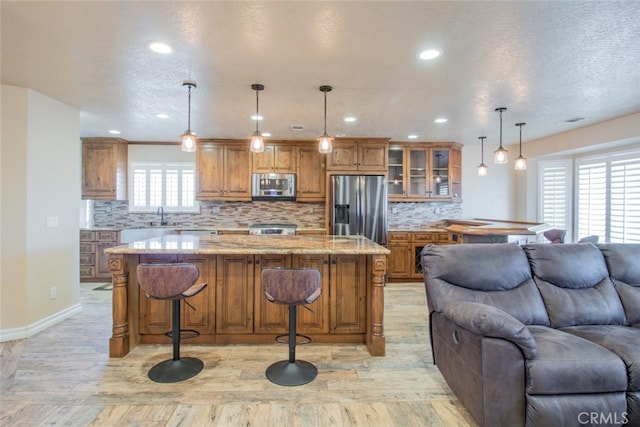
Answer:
[(358, 206)]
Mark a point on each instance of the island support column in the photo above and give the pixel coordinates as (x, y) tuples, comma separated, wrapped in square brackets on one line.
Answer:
[(375, 318), (119, 341)]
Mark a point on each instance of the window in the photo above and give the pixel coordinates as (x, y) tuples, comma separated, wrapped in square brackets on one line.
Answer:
[(608, 196), (170, 185), (554, 196)]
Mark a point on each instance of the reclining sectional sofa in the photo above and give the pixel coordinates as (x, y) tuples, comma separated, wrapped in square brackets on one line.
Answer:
[(538, 335)]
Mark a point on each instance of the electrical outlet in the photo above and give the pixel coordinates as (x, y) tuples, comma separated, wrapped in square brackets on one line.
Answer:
[(52, 293), (52, 222), (215, 209), (394, 210)]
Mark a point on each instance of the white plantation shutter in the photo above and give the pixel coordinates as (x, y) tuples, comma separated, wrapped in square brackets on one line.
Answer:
[(625, 200), (554, 195), (171, 186), (608, 197), (592, 199)]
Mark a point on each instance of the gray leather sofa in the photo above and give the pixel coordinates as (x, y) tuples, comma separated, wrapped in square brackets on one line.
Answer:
[(538, 335)]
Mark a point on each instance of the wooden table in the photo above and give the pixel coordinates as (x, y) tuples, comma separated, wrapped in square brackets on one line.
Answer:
[(233, 309)]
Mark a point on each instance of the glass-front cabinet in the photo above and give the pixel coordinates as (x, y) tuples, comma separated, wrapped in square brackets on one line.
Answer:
[(419, 171)]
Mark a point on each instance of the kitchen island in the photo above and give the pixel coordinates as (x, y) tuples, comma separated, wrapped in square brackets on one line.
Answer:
[(233, 308)]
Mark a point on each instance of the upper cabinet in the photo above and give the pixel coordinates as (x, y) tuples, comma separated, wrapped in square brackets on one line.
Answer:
[(223, 170), (424, 171), (367, 154), (104, 169), (276, 158), (310, 174)]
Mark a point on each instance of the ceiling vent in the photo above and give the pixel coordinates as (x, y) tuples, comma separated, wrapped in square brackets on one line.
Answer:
[(297, 128), (574, 120)]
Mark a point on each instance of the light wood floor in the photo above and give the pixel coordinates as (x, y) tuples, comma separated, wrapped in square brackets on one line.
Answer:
[(63, 376)]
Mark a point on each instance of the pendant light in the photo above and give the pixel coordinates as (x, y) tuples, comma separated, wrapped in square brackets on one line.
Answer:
[(257, 141), (500, 156), (482, 168), (521, 161), (325, 141), (188, 138)]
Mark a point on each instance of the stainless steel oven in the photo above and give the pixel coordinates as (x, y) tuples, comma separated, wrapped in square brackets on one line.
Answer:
[(273, 186), (272, 229)]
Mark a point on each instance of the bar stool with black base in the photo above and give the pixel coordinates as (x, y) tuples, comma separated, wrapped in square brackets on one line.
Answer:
[(173, 282), (294, 287)]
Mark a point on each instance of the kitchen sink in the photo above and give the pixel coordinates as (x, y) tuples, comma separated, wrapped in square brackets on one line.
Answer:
[(129, 235)]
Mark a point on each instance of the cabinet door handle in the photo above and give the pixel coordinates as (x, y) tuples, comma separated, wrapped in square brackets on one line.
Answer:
[(257, 262)]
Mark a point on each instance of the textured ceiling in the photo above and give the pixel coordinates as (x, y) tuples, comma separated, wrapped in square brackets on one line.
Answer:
[(547, 62)]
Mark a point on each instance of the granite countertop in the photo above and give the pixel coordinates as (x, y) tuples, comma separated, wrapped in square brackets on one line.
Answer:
[(248, 245)]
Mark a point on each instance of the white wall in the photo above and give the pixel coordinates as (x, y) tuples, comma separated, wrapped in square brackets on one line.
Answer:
[(40, 180), (485, 196)]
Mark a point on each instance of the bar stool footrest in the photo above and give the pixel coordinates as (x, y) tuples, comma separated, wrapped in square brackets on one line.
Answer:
[(281, 340), (184, 334), (291, 373), (173, 371)]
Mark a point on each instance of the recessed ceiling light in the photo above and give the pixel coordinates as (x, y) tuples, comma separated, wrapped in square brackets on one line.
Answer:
[(267, 134), (412, 136), (162, 116), (340, 135), (429, 54), (441, 120), (114, 132), (350, 119), (254, 117), (159, 47)]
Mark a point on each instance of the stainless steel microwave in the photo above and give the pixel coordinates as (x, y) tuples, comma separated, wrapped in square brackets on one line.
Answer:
[(273, 186)]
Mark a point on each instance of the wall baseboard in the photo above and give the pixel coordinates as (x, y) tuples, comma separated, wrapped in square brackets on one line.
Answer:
[(40, 325)]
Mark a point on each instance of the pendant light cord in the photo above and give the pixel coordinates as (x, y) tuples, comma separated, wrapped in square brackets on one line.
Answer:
[(257, 94), (500, 128), (189, 111), (325, 114)]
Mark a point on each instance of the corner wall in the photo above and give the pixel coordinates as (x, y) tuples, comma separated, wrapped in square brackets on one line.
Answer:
[(40, 185)]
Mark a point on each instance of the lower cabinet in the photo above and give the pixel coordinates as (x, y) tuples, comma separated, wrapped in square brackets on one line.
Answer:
[(233, 303), (405, 261), (93, 261)]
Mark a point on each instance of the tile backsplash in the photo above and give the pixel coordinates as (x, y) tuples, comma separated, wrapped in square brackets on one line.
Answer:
[(305, 215)]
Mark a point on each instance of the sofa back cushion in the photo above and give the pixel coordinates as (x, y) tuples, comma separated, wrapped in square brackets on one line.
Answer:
[(494, 274), (623, 262), (574, 283)]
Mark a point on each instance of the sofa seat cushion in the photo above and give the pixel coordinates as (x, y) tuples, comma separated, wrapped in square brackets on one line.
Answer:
[(569, 364), (621, 340)]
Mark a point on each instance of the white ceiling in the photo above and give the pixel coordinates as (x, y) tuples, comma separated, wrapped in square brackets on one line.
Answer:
[(547, 62)]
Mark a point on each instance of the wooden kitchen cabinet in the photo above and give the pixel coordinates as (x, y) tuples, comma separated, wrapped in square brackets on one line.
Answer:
[(93, 261), (315, 320), (424, 171), (276, 158), (104, 168), (400, 260), (348, 289), (310, 174), (405, 261), (223, 171), (367, 154), (234, 294)]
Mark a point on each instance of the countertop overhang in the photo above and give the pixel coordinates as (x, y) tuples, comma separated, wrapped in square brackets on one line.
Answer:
[(248, 245)]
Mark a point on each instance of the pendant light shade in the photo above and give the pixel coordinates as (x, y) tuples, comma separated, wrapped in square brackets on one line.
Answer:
[(257, 141), (501, 155), (521, 161), (188, 138), (482, 168), (325, 142)]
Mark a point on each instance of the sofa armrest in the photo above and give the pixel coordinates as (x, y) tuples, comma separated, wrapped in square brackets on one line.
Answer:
[(485, 320)]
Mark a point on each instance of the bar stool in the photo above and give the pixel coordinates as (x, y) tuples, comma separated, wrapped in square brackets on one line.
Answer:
[(175, 282), (291, 286)]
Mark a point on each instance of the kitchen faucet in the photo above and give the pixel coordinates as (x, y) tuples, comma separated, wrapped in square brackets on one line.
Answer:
[(161, 213)]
